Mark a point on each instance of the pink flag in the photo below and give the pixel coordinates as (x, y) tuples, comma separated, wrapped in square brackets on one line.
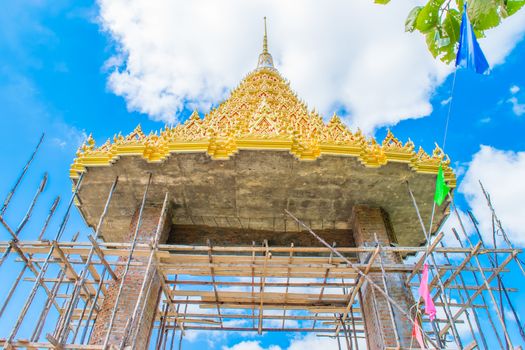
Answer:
[(416, 332), (430, 309)]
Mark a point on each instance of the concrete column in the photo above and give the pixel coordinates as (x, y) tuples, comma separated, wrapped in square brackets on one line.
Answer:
[(140, 330), (368, 222)]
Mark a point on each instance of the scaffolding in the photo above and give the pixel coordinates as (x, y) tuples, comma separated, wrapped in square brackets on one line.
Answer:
[(258, 288)]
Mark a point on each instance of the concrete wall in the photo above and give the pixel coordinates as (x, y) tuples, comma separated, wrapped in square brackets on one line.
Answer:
[(368, 223), (141, 327), (198, 234)]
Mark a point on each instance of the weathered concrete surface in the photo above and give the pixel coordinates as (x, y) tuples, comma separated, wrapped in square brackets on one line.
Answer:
[(199, 234), (253, 188)]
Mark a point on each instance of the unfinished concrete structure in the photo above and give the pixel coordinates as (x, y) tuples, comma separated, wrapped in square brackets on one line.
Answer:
[(248, 197)]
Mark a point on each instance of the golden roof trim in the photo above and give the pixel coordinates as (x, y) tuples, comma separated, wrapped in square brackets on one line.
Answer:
[(156, 147), (262, 113)]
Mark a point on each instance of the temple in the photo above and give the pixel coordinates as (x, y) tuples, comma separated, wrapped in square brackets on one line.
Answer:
[(232, 175), (258, 216)]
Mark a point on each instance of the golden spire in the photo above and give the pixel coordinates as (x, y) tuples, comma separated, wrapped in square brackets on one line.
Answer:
[(265, 59), (265, 40)]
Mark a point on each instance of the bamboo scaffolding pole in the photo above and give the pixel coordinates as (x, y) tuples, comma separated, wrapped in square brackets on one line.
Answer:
[(489, 317), (162, 334), (353, 328), (462, 300), (448, 313), (287, 283), (253, 282), (494, 263), (390, 308), (363, 275), (251, 329), (182, 332), (149, 276), (195, 315), (79, 284), (212, 276), (321, 292), (500, 226), (486, 282), (86, 303), (47, 307), (26, 217), (20, 177), (465, 234), (130, 256), (24, 268), (243, 253), (49, 216), (50, 299), (267, 255), (43, 268), (345, 332), (92, 309)]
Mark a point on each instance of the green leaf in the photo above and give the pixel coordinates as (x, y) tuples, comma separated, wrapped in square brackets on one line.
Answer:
[(381, 2), (428, 17), (431, 38), (449, 53), (514, 5), (484, 13), (451, 24), (441, 47), (410, 22)]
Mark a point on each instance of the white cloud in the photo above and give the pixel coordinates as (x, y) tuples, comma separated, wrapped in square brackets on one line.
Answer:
[(250, 345), (68, 136), (501, 40), (349, 55), (452, 222), (517, 107), (310, 341), (446, 101), (502, 173)]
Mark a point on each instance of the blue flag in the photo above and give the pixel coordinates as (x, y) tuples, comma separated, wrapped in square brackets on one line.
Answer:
[(469, 53)]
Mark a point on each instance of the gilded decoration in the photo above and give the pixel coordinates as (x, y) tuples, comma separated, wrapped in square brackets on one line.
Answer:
[(262, 113)]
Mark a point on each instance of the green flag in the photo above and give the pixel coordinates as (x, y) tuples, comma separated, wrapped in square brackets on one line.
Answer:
[(441, 187)]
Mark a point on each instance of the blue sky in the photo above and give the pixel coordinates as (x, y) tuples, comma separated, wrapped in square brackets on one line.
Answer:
[(57, 60)]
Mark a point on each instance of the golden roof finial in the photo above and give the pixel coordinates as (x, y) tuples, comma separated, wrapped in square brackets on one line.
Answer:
[(265, 59), (265, 40)]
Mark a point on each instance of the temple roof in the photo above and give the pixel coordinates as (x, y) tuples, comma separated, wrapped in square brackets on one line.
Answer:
[(261, 151), (262, 113)]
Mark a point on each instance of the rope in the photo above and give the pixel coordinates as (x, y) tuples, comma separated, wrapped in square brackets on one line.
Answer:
[(449, 109)]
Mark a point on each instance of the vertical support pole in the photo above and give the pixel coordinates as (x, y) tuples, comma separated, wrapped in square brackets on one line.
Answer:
[(390, 308), (489, 317), (43, 269), (353, 328), (365, 277), (476, 259), (149, 276), (136, 292), (93, 304), (345, 331), (448, 313), (19, 180), (79, 283), (128, 262), (463, 300)]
